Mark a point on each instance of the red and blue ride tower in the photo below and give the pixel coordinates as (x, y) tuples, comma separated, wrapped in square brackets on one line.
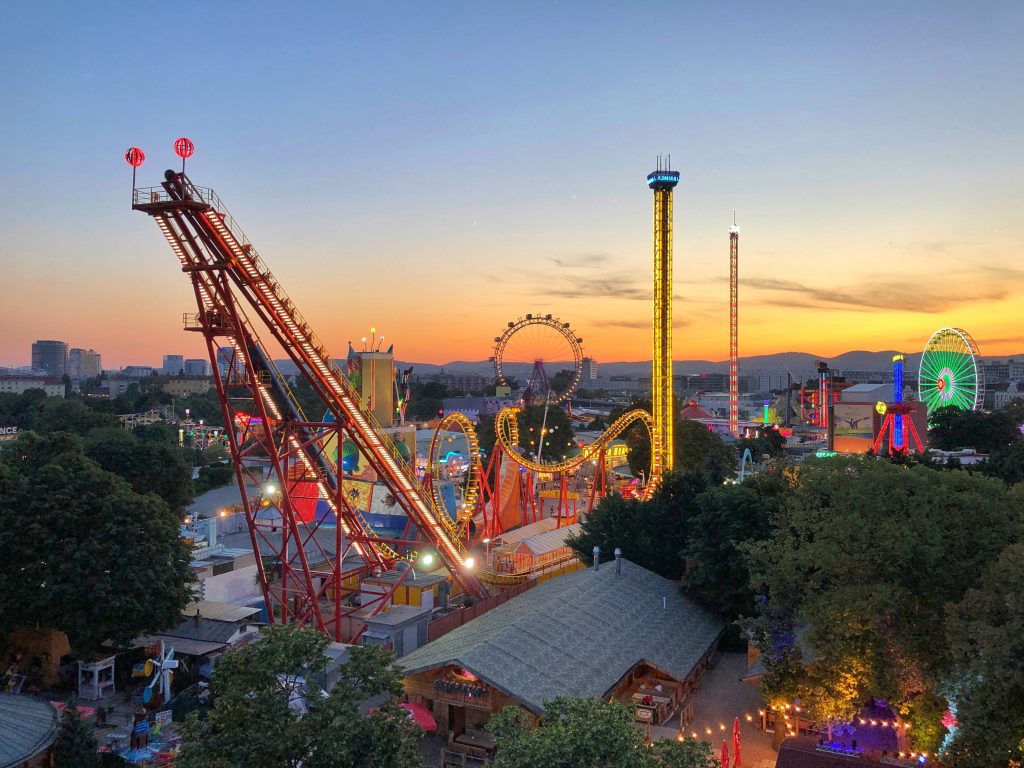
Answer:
[(898, 423), (898, 440)]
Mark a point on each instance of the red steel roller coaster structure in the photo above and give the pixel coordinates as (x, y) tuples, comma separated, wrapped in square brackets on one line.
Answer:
[(311, 572)]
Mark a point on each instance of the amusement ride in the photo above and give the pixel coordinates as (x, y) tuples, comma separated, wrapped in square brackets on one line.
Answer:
[(533, 340), (950, 373), (333, 569)]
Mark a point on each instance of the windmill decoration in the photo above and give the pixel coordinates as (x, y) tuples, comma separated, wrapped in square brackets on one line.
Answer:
[(163, 666)]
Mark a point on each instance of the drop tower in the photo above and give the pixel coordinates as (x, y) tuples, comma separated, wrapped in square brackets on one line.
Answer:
[(662, 181)]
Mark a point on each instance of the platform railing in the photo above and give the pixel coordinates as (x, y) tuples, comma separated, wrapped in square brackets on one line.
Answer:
[(210, 198)]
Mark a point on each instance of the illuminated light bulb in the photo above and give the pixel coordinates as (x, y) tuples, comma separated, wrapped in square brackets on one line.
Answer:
[(707, 731), (470, 562)]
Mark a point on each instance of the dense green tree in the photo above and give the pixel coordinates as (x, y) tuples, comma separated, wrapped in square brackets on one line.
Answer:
[(557, 428), (485, 435), (206, 406), (724, 519), (986, 636), (951, 428), (75, 745), (574, 733), (80, 551), (685, 753), (652, 534), (143, 395), (697, 449), (562, 380), (213, 476), (867, 555), (587, 733), (268, 711), (426, 399), (1006, 463), (149, 466), (772, 443), (312, 405), (58, 415)]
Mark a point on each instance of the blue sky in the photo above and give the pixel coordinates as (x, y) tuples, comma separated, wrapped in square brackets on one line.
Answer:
[(437, 169)]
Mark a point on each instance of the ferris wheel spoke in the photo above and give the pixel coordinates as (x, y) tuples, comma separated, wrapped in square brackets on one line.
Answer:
[(949, 373)]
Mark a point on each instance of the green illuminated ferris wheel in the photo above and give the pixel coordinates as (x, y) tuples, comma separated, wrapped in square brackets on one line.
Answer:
[(950, 372)]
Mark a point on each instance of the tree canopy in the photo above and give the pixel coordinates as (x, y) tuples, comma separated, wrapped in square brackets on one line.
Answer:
[(951, 428), (269, 711), (75, 745), (152, 465), (651, 533), (80, 551), (986, 638), (587, 733), (697, 449), (866, 555)]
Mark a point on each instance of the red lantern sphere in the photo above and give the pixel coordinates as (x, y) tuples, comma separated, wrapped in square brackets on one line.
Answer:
[(184, 147), (134, 157)]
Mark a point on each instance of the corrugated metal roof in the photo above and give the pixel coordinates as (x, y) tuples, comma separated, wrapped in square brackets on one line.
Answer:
[(221, 611), (548, 541), (182, 645), (513, 537), (577, 635), (27, 727)]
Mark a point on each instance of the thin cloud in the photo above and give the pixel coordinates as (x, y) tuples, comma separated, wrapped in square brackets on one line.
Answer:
[(893, 295), (580, 260), (638, 324), (1005, 340), (611, 286)]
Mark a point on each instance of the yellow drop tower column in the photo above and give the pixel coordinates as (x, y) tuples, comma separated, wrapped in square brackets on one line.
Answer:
[(662, 408)]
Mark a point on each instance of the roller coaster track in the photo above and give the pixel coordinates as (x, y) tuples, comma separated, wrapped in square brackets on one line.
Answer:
[(472, 488), (506, 425), (209, 242)]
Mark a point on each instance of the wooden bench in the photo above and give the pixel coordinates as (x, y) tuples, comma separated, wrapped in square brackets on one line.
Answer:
[(461, 759)]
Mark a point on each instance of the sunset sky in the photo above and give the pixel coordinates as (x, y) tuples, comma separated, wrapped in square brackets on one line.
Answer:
[(438, 169)]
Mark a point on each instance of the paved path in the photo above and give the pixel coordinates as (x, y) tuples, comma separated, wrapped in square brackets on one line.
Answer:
[(722, 696)]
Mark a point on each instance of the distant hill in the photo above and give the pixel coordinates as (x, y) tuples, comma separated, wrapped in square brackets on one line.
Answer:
[(800, 364)]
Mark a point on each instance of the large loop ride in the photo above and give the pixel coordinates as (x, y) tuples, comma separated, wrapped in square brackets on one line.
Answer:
[(471, 487), (506, 427), (534, 340)]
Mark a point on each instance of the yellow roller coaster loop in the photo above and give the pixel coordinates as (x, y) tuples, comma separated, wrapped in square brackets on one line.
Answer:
[(506, 425), (472, 486)]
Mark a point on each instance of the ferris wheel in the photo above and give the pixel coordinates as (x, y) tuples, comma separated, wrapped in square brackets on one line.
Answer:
[(529, 344), (951, 372)]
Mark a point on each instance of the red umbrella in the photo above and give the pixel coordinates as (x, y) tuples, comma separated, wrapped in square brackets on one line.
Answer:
[(421, 716), (725, 754), (736, 743)]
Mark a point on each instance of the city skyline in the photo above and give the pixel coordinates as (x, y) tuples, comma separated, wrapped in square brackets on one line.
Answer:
[(422, 171)]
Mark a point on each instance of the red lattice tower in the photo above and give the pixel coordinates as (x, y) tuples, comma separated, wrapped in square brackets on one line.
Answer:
[(734, 306), (330, 571)]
